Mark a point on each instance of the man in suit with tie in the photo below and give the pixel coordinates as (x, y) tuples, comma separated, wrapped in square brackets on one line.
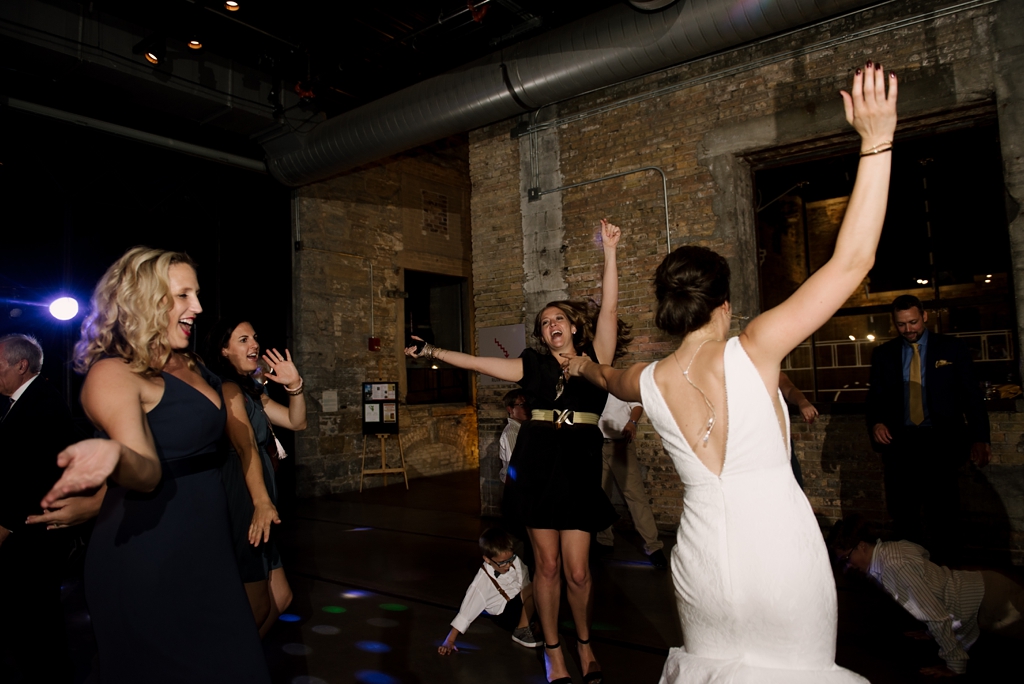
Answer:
[(35, 428), (925, 413)]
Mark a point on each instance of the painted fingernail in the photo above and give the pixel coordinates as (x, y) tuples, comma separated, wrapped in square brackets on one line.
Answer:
[(858, 72), (878, 67), (869, 64), (892, 74)]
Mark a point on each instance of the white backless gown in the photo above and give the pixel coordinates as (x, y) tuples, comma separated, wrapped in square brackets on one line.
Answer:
[(754, 588)]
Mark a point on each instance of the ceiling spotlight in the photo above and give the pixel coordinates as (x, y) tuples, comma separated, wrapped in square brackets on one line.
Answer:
[(195, 43), (231, 6), (871, 338), (64, 308), (852, 338), (152, 48)]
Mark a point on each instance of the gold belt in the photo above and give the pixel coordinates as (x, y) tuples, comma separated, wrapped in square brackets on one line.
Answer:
[(567, 417)]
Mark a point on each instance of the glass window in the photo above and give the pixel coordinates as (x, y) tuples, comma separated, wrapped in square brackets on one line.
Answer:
[(945, 241), (435, 311)]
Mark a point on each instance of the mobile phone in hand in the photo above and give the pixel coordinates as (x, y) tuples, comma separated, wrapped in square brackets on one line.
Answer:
[(416, 343)]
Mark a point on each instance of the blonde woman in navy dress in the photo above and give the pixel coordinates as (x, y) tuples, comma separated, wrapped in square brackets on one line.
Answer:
[(161, 581), (553, 487)]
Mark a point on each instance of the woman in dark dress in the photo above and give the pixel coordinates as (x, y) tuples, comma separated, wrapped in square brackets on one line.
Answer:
[(161, 581), (248, 472), (553, 485)]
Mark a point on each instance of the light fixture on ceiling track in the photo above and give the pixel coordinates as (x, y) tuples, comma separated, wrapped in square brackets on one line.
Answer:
[(232, 6)]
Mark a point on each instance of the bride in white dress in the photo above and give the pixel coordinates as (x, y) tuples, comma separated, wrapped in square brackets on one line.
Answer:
[(754, 588)]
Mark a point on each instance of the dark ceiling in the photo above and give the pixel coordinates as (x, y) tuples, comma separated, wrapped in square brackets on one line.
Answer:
[(328, 56)]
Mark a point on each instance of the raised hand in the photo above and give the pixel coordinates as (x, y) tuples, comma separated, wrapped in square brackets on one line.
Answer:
[(610, 234), (868, 109), (285, 373), (87, 465)]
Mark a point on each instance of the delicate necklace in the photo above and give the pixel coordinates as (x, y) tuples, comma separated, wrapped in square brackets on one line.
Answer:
[(707, 402)]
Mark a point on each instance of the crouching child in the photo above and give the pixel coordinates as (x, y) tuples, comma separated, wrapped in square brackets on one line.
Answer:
[(501, 584)]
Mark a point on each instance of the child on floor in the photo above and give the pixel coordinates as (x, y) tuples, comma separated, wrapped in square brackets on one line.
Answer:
[(501, 582)]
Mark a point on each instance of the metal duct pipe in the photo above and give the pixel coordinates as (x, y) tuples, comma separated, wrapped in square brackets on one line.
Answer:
[(595, 52)]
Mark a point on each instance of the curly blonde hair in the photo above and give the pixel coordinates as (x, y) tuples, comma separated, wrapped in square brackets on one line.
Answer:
[(129, 313)]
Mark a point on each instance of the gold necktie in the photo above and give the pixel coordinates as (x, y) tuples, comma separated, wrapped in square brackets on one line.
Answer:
[(916, 405)]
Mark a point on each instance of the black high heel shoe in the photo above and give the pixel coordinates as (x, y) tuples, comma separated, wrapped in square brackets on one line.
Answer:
[(593, 677), (561, 680)]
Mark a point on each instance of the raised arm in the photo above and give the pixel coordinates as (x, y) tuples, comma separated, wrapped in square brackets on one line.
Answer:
[(112, 399), (606, 332), (775, 333), (503, 369), (243, 439), (292, 416)]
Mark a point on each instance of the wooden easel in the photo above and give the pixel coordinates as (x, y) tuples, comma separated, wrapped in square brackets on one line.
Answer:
[(384, 470)]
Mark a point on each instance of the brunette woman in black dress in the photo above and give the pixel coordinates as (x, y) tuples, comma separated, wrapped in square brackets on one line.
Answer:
[(553, 485)]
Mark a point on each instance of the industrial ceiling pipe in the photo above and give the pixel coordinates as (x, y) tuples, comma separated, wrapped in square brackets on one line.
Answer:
[(594, 52)]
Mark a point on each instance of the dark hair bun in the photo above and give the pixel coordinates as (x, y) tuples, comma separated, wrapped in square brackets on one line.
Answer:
[(690, 283)]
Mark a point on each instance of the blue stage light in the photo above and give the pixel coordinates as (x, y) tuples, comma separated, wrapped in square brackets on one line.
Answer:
[(373, 646), (374, 677), (288, 617), (64, 308)]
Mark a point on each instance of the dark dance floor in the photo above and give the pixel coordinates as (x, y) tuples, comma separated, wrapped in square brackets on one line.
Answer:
[(378, 576)]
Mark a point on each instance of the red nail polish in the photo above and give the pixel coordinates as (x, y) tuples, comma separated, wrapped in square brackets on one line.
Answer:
[(878, 67), (858, 72), (869, 64), (892, 74)]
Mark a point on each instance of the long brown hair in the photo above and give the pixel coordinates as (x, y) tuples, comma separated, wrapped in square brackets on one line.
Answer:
[(582, 314)]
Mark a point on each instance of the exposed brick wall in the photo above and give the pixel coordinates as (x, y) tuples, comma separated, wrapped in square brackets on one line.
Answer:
[(727, 110), (374, 216), (497, 279)]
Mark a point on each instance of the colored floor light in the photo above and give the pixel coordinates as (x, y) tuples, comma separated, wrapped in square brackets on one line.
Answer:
[(395, 607), (337, 610), (355, 594), (374, 677), (289, 617), (297, 649), (64, 308), (373, 646), (326, 630)]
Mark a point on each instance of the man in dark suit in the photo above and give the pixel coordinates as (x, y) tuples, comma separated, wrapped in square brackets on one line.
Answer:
[(925, 413), (35, 428)]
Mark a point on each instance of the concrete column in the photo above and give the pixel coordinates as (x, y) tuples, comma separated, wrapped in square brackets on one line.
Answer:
[(543, 230)]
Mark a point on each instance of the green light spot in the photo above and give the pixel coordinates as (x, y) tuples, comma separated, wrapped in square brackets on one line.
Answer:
[(395, 607), (604, 627), (333, 609), (569, 624)]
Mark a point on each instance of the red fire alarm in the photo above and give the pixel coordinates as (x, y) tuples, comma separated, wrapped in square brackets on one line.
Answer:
[(374, 344)]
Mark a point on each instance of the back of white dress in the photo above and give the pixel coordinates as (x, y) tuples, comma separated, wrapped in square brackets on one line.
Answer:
[(754, 589)]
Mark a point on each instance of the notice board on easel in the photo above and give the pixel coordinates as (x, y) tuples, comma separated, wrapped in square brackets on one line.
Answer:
[(380, 408)]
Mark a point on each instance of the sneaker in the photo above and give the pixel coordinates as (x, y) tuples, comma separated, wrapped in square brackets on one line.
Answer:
[(524, 636), (658, 560)]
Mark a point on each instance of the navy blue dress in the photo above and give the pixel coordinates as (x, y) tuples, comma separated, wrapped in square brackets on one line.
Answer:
[(161, 580), (254, 562)]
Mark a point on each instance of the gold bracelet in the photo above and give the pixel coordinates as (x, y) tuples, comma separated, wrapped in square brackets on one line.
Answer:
[(294, 392), (876, 150)]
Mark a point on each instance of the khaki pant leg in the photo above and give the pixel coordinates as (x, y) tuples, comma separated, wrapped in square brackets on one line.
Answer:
[(1002, 607), (607, 537)]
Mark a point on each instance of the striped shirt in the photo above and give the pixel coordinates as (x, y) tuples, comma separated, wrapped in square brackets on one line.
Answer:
[(945, 600)]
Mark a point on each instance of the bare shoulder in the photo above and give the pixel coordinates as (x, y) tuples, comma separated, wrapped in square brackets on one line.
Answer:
[(112, 374)]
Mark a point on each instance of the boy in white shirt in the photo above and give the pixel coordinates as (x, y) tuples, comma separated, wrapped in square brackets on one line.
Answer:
[(498, 583)]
